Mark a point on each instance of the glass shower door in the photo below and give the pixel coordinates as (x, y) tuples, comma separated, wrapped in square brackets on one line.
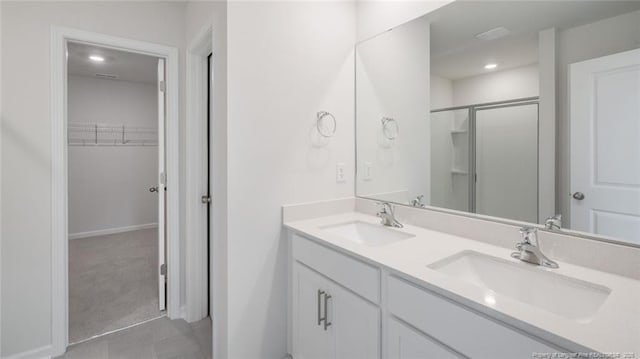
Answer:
[(506, 161)]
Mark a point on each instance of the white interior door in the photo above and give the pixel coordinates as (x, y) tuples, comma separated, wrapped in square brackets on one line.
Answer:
[(161, 187), (605, 145)]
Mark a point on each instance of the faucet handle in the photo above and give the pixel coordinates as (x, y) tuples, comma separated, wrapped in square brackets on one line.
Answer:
[(385, 205), (527, 230), (526, 233)]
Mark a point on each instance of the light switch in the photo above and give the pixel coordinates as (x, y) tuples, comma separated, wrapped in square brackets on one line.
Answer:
[(367, 176), (340, 173)]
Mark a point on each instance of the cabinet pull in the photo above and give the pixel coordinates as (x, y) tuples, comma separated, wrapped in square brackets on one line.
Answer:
[(320, 319), (327, 323)]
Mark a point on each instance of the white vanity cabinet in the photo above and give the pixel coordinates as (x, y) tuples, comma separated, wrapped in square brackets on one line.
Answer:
[(456, 328), (405, 342), (341, 309), (329, 320)]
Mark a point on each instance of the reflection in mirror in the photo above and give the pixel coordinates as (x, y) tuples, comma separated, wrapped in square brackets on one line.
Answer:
[(519, 110)]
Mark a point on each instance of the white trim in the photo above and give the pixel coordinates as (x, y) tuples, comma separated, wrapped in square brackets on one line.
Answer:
[(107, 231), (59, 260), (37, 353), (196, 239)]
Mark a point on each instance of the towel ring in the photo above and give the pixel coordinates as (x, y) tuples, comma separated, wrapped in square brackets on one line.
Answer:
[(390, 128), (326, 124)]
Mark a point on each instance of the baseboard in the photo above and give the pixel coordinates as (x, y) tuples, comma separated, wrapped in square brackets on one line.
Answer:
[(103, 232), (37, 353)]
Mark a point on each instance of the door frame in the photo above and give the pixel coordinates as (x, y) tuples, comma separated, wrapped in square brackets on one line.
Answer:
[(59, 186), (197, 278)]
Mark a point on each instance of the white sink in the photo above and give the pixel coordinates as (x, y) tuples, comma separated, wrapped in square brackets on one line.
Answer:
[(366, 233), (564, 296)]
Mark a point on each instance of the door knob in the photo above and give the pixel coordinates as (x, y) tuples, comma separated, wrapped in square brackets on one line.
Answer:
[(205, 199), (578, 195), (153, 189)]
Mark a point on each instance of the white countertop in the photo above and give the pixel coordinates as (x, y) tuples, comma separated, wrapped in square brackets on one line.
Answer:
[(615, 328)]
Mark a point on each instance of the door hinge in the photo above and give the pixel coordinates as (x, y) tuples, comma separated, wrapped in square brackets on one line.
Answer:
[(163, 269), (162, 86)]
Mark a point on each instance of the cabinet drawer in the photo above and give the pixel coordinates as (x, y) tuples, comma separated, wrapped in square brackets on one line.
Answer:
[(461, 329), (404, 342), (351, 273)]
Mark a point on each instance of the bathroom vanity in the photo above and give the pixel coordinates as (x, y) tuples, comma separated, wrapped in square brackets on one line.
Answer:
[(359, 289), (476, 120)]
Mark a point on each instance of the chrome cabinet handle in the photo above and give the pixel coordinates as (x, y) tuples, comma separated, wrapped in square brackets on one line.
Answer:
[(578, 195), (320, 294), (327, 323)]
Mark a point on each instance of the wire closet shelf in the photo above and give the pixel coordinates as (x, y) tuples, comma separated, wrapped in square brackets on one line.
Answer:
[(95, 134)]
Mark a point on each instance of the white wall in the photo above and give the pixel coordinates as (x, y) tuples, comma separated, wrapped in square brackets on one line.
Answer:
[(26, 145), (441, 92), (613, 35), (376, 17), (286, 61), (108, 185), (392, 76), (503, 85)]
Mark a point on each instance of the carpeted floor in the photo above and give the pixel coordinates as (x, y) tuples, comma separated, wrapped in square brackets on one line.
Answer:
[(113, 282)]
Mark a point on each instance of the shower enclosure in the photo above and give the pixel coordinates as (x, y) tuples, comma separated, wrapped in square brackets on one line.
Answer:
[(484, 159)]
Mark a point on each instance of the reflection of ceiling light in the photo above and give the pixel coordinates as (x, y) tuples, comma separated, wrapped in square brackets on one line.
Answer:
[(490, 66), (96, 58), (493, 34)]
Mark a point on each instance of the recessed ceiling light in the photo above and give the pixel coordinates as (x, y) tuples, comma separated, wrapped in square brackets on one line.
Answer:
[(96, 58), (490, 66)]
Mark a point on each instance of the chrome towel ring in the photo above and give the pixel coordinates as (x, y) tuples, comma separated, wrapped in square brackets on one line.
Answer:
[(390, 128), (326, 124)]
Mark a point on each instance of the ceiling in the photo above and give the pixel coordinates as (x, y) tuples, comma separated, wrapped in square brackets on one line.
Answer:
[(456, 53), (126, 66)]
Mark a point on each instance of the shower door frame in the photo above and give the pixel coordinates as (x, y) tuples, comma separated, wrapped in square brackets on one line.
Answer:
[(471, 131)]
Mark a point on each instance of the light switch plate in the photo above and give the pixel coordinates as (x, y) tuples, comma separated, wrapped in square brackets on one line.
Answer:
[(340, 173), (368, 168)]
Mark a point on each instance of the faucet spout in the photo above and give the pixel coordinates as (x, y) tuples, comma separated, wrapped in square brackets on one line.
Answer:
[(529, 249), (387, 216)]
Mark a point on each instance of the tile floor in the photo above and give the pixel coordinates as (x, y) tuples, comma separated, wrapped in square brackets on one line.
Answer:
[(113, 282), (157, 339)]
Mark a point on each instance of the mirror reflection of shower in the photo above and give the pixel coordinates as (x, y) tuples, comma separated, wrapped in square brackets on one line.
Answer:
[(484, 159)]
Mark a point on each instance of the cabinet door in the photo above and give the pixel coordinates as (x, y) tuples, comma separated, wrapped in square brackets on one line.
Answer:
[(355, 323), (404, 342), (311, 340)]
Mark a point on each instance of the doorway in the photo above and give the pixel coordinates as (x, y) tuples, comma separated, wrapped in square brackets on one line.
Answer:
[(116, 192)]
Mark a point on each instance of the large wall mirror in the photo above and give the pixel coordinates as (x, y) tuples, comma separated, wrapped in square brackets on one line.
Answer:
[(519, 111)]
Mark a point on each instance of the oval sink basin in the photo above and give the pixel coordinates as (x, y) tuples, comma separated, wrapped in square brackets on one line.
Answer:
[(564, 296), (366, 233)]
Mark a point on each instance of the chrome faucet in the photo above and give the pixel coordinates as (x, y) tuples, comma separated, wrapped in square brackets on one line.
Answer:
[(417, 202), (529, 249), (553, 223), (387, 216)]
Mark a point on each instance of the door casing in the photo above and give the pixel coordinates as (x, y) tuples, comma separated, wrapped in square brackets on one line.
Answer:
[(60, 36)]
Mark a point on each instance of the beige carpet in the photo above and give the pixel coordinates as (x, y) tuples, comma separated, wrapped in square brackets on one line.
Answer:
[(113, 282)]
